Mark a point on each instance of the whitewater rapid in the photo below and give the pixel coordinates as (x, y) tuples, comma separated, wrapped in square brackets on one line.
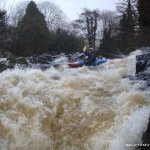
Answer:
[(73, 109)]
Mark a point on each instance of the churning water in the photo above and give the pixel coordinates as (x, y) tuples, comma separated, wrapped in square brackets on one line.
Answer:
[(73, 109)]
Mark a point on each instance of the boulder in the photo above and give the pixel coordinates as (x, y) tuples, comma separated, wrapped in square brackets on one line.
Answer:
[(142, 62), (145, 139)]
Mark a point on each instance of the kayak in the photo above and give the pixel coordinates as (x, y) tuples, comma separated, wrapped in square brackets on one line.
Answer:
[(80, 63), (76, 64)]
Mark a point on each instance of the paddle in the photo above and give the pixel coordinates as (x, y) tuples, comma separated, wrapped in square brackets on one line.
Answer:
[(80, 62), (81, 55), (84, 48)]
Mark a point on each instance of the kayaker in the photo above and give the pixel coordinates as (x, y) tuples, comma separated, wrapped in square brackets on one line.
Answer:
[(91, 57)]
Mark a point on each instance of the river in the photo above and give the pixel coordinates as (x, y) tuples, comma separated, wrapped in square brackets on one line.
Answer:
[(73, 109)]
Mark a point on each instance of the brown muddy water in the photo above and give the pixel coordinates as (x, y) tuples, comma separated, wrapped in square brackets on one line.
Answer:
[(73, 109)]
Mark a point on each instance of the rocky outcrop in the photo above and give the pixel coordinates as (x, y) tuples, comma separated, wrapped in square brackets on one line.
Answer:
[(5, 54), (143, 73), (146, 139), (142, 62), (41, 61), (10, 63)]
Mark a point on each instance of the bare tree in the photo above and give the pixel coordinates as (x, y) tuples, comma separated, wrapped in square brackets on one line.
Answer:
[(107, 19), (122, 6), (108, 31), (88, 25), (17, 13), (2, 4), (54, 16), (74, 28)]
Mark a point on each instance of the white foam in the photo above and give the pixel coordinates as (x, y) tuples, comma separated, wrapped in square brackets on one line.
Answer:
[(83, 108)]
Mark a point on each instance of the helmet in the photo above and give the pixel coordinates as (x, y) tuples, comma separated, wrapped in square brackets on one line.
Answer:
[(91, 49)]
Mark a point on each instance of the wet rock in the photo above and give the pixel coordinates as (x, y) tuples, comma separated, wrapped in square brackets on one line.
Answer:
[(11, 62), (17, 61), (142, 67), (142, 62), (140, 76), (4, 66), (4, 53), (37, 61), (143, 74), (146, 135), (42, 59), (145, 139)]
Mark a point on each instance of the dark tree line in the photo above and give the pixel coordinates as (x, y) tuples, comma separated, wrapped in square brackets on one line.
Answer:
[(124, 39), (41, 29), (133, 31), (32, 32), (144, 22), (31, 35), (3, 30)]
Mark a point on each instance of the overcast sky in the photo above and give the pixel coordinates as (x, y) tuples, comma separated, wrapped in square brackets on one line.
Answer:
[(72, 8)]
